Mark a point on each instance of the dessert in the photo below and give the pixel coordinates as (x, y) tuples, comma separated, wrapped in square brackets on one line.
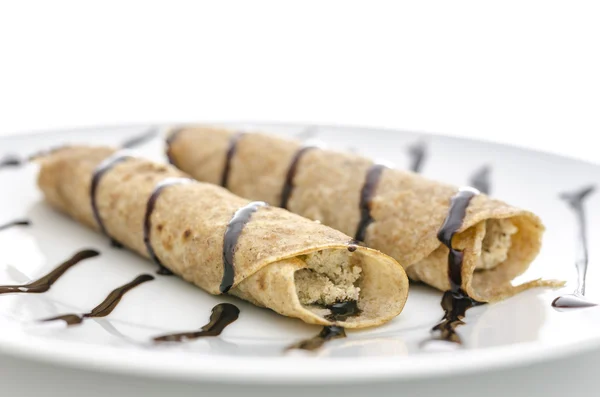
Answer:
[(397, 212), (223, 243)]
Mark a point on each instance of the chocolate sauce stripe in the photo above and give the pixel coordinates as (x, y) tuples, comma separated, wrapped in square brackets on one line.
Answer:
[(106, 306), (576, 200), (19, 222), (113, 299), (11, 160), (140, 139), (455, 302), (15, 161), (158, 189), (233, 142), (452, 223), (230, 239), (288, 185), (366, 196), (221, 316), (99, 172), (327, 334), (417, 152), (480, 180), (455, 307), (342, 310), (44, 283)]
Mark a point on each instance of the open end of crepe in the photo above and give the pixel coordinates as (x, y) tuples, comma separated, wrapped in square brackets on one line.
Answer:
[(352, 288), (331, 277), (374, 285), (497, 248), (507, 248), (496, 243)]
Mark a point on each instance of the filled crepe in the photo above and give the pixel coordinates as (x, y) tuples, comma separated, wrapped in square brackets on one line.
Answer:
[(223, 243), (397, 212)]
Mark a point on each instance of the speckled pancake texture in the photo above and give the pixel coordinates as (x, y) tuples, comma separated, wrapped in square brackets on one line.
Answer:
[(188, 226), (407, 209)]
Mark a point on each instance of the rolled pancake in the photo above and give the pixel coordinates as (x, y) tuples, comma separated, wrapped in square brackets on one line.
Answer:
[(394, 211), (292, 265)]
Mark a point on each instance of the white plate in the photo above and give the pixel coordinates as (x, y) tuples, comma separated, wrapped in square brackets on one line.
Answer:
[(520, 330)]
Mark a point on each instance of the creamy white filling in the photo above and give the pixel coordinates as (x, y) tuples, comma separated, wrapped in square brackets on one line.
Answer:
[(329, 278), (496, 243)]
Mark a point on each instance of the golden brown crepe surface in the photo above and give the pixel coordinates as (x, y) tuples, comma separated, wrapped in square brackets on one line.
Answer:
[(407, 209), (188, 225)]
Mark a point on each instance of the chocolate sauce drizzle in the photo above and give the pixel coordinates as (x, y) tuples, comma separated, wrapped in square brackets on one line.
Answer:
[(353, 245), (453, 222), (19, 222), (99, 172), (232, 234), (221, 316), (170, 140), (455, 307), (140, 139), (288, 185), (455, 302), (366, 195), (480, 180), (417, 153), (577, 298), (327, 333), (43, 284), (342, 310), (162, 270), (45, 152), (11, 160), (107, 305), (233, 141)]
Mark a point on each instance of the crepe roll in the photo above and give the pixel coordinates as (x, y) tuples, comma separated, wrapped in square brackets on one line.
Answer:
[(223, 243), (397, 212)]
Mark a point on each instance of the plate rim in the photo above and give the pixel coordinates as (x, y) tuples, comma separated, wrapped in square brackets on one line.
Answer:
[(257, 370), (262, 371)]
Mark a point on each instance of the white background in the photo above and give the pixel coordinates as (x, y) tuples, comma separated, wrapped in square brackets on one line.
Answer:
[(521, 72)]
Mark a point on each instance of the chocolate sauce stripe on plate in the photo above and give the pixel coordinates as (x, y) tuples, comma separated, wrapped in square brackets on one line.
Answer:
[(11, 160), (106, 306), (577, 299), (480, 180), (18, 222), (44, 283), (221, 316), (455, 307), (15, 161), (417, 153), (327, 333), (140, 139)]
